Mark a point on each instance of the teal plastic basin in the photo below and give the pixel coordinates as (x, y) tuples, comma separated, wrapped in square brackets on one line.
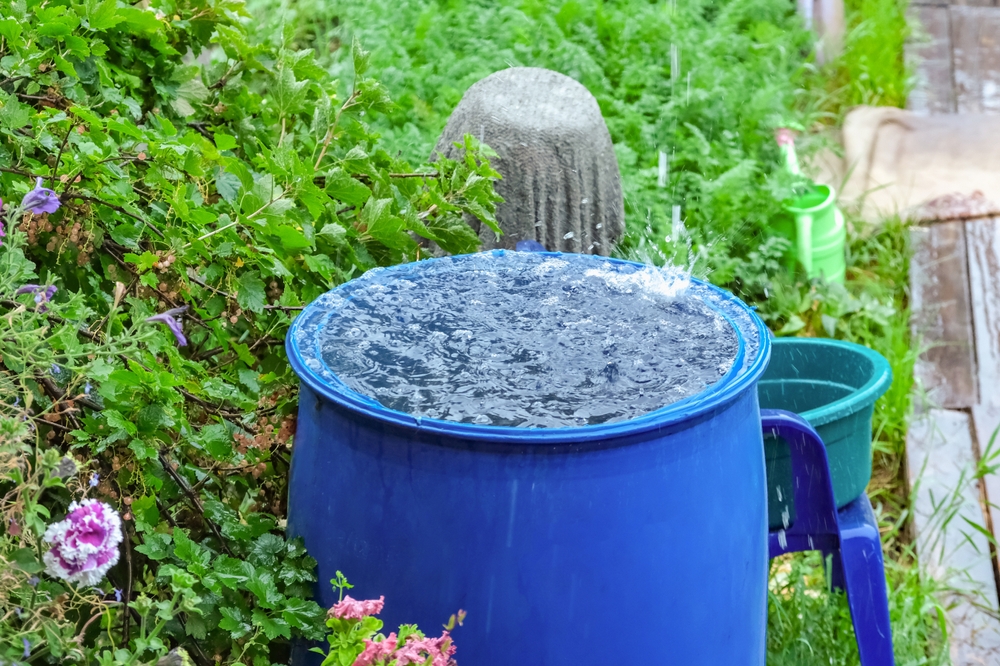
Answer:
[(834, 385)]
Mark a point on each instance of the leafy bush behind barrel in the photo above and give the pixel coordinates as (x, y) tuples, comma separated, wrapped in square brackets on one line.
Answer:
[(199, 164)]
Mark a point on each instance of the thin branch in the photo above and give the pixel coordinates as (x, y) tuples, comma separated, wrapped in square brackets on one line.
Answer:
[(53, 318), (200, 128), (78, 195), (221, 83), (19, 172), (168, 466), (201, 283), (127, 594), (62, 147)]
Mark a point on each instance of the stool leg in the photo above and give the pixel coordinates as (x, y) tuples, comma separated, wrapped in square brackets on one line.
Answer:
[(864, 580), (836, 571)]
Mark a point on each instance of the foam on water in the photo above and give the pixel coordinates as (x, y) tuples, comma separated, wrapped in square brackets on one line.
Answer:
[(523, 339)]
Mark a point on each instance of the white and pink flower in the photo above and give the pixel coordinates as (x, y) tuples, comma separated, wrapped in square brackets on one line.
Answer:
[(85, 544)]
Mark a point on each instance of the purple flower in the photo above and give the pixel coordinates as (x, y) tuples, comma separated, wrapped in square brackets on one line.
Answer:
[(33, 581), (95, 478), (43, 293), (41, 199), (27, 648), (118, 595), (85, 544), (86, 388), (170, 319)]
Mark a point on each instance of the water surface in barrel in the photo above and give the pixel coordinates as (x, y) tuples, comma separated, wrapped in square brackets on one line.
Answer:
[(525, 339)]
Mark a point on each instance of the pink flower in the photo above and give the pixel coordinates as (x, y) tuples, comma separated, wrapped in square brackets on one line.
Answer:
[(352, 609), (785, 137), (85, 544), (375, 652), (418, 650)]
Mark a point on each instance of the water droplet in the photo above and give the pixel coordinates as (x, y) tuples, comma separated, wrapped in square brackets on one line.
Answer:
[(568, 236)]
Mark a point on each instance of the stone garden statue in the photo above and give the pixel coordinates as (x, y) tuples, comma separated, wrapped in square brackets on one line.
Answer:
[(561, 185)]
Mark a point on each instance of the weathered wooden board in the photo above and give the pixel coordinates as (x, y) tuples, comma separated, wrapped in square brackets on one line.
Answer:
[(983, 243), (973, 3), (941, 466), (975, 39), (933, 91), (942, 320), (985, 422)]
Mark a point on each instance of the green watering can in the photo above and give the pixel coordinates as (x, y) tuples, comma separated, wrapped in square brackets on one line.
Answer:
[(815, 225)]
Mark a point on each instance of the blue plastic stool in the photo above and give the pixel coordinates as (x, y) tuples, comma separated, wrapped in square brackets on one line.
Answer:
[(850, 536)]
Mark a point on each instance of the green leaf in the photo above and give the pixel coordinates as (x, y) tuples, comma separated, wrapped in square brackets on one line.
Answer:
[(13, 114), (224, 141), (262, 585), (102, 15), (10, 29), (231, 572), (301, 612), (26, 561), (291, 239), (272, 626), (234, 621), (189, 93), (342, 187), (266, 549), (792, 326), (251, 295), (155, 546), (141, 20), (361, 58), (383, 226), (195, 626), (288, 93), (145, 513)]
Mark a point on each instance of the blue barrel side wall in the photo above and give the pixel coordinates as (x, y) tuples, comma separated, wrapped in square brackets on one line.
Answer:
[(561, 555)]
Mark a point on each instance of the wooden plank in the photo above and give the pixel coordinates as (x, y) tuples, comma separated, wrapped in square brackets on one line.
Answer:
[(975, 38), (972, 3), (985, 422), (942, 319), (941, 467), (983, 243), (933, 91)]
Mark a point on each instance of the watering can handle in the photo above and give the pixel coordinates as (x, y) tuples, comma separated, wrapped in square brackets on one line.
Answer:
[(803, 241), (813, 491)]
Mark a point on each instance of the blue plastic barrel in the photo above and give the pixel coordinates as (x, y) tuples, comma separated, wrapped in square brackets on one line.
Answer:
[(640, 540)]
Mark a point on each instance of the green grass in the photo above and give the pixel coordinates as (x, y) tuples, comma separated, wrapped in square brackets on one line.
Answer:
[(808, 624), (872, 69)]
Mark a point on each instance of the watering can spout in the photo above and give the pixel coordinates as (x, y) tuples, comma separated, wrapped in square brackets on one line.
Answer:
[(819, 231), (786, 143)]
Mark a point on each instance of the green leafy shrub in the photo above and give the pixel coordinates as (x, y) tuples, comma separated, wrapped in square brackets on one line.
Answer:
[(212, 179), (704, 82)]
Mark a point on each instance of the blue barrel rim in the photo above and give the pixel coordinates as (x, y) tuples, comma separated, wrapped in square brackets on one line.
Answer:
[(728, 388)]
